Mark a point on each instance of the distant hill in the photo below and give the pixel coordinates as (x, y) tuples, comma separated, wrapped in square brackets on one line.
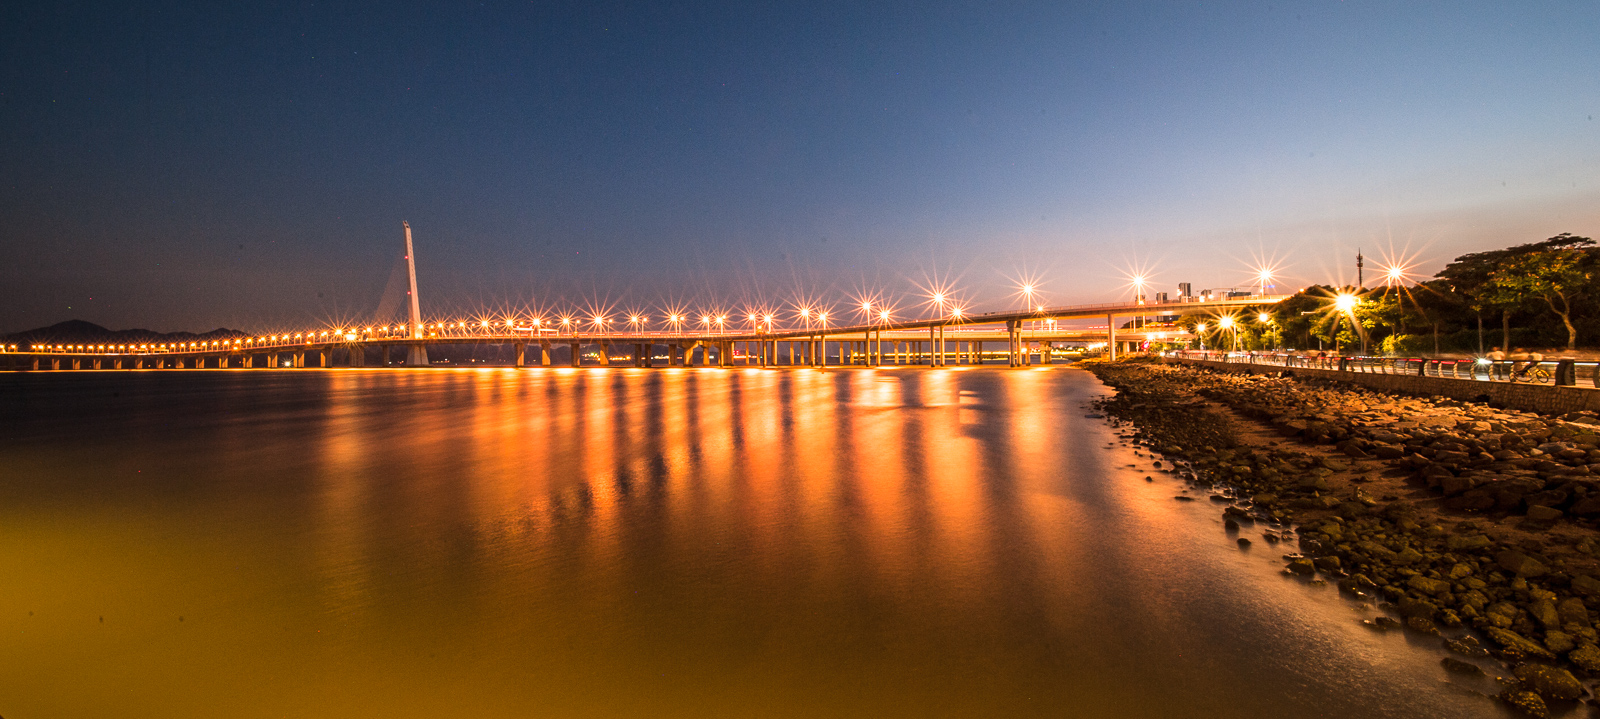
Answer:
[(78, 332)]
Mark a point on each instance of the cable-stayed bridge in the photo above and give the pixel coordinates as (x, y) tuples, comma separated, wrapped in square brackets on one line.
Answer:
[(805, 338)]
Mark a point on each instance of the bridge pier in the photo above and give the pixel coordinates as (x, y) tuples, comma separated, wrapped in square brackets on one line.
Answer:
[(605, 353), (577, 355), (544, 353), (1111, 336)]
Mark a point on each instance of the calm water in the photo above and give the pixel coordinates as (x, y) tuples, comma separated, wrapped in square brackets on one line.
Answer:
[(649, 543)]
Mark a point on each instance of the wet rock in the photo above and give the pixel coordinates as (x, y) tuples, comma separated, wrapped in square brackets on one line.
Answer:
[(1303, 566), (1515, 646), (1387, 623), (1558, 642), (1548, 681), (1421, 625), (1184, 498), (1243, 542), (1525, 702), (1327, 564), (1457, 666), (1466, 646), (1586, 657)]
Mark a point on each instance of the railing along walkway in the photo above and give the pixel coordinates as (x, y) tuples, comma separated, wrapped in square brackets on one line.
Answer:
[(1583, 374)]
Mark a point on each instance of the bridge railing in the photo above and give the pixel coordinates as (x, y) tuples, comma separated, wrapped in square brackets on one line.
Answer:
[(1582, 373)]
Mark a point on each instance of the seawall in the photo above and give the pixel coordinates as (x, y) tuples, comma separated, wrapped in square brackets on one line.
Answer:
[(1541, 398)]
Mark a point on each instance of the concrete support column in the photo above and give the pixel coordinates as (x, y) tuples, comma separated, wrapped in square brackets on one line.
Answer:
[(1111, 336), (520, 349), (605, 353), (577, 354), (272, 361), (1044, 351), (358, 355), (299, 360), (544, 353)]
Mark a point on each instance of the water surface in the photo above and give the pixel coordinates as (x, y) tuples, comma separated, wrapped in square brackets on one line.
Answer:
[(640, 543)]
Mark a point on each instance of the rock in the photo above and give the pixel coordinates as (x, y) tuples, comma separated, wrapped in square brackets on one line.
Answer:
[(1327, 564), (1466, 646), (1585, 507), (1586, 585), (1410, 607), (1539, 513), (1459, 542), (1182, 498), (1549, 682), (1515, 644), (1587, 657), (1375, 550), (1387, 623), (1422, 625), (1544, 610), (1302, 566), (1407, 556), (1230, 525), (1457, 666), (1243, 542), (1429, 586), (1525, 702), (1519, 564), (1558, 642), (1573, 611)]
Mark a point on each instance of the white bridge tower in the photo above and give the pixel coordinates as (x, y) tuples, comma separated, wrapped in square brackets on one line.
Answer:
[(417, 355)]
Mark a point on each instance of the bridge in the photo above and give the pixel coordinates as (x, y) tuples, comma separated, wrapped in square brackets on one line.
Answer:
[(1019, 338)]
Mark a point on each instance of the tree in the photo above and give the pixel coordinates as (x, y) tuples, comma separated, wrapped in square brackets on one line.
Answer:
[(1558, 273), (1472, 275)]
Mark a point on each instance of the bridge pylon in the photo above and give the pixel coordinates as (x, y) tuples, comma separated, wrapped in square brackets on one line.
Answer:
[(417, 354)]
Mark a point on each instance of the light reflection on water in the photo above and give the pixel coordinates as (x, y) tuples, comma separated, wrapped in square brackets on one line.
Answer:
[(638, 543)]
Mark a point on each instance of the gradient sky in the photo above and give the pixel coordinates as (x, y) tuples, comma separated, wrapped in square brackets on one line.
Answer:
[(177, 166)]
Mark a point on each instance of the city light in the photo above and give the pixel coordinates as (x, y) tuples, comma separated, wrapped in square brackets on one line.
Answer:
[(1344, 302)]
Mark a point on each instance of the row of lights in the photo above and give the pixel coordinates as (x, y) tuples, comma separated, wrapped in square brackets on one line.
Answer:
[(873, 313)]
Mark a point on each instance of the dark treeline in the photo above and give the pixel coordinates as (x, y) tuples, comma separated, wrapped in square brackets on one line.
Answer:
[(1533, 295)]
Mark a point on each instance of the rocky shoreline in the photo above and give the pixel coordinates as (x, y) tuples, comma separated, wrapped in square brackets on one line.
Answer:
[(1459, 520)]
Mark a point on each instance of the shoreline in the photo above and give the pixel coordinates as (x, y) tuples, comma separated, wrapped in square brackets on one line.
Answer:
[(1460, 521)]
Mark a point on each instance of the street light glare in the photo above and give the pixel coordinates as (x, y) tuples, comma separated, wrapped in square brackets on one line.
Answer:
[(1264, 317), (1345, 302)]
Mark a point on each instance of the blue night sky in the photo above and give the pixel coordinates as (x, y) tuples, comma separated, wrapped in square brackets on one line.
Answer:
[(193, 166)]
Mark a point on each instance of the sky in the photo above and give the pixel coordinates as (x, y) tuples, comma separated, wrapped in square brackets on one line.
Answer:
[(178, 166)]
